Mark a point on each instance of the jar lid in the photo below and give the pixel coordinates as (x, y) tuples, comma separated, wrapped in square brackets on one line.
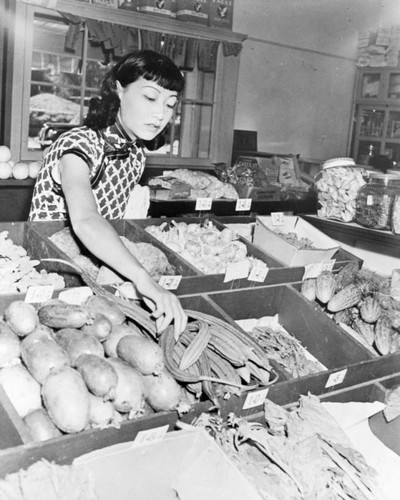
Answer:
[(384, 177), (339, 162)]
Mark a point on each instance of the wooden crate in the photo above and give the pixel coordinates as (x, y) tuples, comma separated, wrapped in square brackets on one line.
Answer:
[(201, 283), (366, 379), (45, 230), (37, 248)]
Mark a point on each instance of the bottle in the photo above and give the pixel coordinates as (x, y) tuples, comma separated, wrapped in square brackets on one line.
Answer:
[(370, 159), (375, 199)]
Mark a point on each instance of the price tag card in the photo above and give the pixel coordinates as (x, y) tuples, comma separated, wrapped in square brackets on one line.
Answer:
[(278, 218), (170, 282), (315, 269), (76, 295), (243, 204), (151, 435), (336, 378), (237, 271), (255, 398), (39, 293), (258, 273), (203, 204)]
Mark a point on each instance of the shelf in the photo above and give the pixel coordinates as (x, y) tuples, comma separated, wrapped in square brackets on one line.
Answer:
[(351, 233), (160, 208), (139, 20)]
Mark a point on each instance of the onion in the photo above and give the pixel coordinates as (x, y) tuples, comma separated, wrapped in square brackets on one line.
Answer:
[(142, 353), (162, 392)]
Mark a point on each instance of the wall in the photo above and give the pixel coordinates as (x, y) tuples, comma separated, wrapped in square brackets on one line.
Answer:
[(298, 68)]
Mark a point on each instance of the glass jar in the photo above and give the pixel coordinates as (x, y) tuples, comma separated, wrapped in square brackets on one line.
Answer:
[(375, 200), (395, 217), (337, 185)]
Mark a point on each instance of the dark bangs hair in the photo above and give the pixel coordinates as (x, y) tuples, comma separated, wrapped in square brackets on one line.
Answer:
[(151, 66), (147, 64)]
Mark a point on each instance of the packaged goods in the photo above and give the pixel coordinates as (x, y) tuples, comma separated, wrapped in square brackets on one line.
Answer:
[(129, 5), (337, 185), (164, 8), (195, 11), (375, 200), (221, 14)]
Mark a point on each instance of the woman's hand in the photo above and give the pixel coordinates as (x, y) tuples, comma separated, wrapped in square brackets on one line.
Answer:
[(165, 306)]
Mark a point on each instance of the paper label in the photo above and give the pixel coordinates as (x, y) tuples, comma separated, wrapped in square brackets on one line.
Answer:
[(336, 378), (203, 204), (77, 295), (278, 218), (258, 273), (255, 398), (370, 200), (243, 204), (237, 270), (315, 269), (170, 282), (39, 293), (151, 435)]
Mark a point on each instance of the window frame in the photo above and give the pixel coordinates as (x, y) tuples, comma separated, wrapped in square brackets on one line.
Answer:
[(225, 87)]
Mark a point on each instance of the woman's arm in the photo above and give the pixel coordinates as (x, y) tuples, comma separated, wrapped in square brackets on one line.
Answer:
[(100, 238)]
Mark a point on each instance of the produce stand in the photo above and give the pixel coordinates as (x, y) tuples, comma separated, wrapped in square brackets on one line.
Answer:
[(352, 372)]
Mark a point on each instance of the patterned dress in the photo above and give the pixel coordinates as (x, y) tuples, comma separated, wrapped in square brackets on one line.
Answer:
[(115, 166)]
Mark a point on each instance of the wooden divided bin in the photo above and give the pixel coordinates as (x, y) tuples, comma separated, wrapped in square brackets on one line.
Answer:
[(347, 363), (47, 230), (21, 238), (277, 271)]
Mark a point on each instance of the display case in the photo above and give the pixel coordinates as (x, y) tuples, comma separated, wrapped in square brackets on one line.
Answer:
[(376, 121)]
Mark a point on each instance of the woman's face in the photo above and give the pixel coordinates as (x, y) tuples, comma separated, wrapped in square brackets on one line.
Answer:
[(146, 108)]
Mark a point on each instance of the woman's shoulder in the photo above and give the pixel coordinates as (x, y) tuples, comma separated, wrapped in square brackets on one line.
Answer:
[(78, 138)]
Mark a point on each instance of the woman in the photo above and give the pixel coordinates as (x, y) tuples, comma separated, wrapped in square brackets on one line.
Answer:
[(89, 172)]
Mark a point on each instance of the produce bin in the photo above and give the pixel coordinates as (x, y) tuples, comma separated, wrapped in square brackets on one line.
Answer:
[(46, 230), (201, 283), (36, 247)]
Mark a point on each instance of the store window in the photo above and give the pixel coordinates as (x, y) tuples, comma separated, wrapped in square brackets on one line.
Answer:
[(62, 81)]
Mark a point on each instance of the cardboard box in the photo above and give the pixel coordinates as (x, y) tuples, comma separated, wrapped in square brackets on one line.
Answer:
[(271, 193), (266, 237), (221, 14), (185, 464), (195, 11)]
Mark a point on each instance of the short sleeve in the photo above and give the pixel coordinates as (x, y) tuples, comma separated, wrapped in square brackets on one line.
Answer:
[(82, 142)]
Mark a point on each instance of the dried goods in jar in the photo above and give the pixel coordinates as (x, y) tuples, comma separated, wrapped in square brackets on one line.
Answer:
[(375, 199), (337, 185)]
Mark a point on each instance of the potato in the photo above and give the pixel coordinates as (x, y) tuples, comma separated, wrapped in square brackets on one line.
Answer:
[(129, 395), (76, 342), (42, 357), (117, 333), (97, 304), (100, 328), (100, 377), (66, 399), (21, 317), (10, 346), (101, 413), (21, 388), (40, 425)]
